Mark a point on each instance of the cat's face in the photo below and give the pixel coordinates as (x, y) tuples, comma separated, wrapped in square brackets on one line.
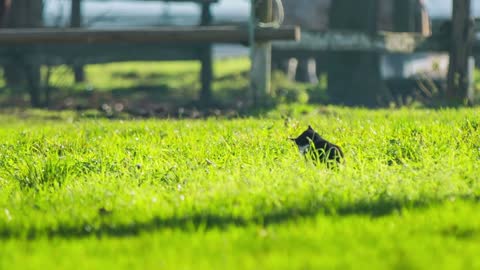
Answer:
[(303, 141)]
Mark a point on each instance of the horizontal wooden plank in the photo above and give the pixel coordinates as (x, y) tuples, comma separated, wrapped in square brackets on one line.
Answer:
[(158, 35)]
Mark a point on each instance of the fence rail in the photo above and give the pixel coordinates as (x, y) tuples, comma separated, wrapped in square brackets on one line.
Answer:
[(171, 35)]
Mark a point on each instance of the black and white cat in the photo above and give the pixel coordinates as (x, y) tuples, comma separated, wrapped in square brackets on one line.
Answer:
[(323, 150)]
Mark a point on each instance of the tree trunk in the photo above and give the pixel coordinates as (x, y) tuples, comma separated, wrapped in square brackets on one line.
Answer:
[(354, 78), (461, 39)]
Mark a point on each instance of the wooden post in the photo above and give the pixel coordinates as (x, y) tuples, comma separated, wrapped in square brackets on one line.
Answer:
[(260, 75), (206, 60), (76, 22), (24, 72), (354, 78), (461, 40)]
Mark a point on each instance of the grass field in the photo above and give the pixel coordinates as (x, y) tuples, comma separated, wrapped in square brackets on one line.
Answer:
[(89, 193)]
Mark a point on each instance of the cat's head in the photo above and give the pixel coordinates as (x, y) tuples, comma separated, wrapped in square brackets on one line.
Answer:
[(304, 140)]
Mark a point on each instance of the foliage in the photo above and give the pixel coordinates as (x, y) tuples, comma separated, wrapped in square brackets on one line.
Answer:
[(217, 193)]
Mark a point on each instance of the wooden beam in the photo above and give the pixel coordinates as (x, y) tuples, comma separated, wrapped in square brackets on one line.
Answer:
[(461, 40), (172, 35)]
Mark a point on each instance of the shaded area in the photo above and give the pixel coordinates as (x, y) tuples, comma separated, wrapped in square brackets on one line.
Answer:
[(381, 207), (162, 90), (460, 233)]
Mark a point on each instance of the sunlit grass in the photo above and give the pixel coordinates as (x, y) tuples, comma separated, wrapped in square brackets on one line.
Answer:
[(182, 192), (124, 75)]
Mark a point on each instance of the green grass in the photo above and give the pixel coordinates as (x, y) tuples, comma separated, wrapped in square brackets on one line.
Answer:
[(214, 193), (176, 75), (161, 78), (143, 84)]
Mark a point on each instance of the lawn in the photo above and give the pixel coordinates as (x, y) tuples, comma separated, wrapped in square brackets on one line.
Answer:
[(77, 192)]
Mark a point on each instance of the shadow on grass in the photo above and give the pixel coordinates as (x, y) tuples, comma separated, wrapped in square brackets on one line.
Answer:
[(208, 221)]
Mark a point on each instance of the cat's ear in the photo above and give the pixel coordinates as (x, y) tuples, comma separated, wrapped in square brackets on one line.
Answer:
[(310, 127), (291, 139)]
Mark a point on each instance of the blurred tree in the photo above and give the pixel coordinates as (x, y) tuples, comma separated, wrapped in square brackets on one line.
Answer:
[(23, 71)]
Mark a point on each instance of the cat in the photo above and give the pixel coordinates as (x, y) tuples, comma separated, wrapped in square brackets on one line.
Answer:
[(324, 151)]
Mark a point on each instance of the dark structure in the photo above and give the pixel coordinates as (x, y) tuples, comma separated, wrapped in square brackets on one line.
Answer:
[(4, 10), (23, 72), (461, 42), (354, 78), (76, 22)]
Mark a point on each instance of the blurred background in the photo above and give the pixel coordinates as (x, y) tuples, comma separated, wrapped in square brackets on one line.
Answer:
[(140, 79)]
